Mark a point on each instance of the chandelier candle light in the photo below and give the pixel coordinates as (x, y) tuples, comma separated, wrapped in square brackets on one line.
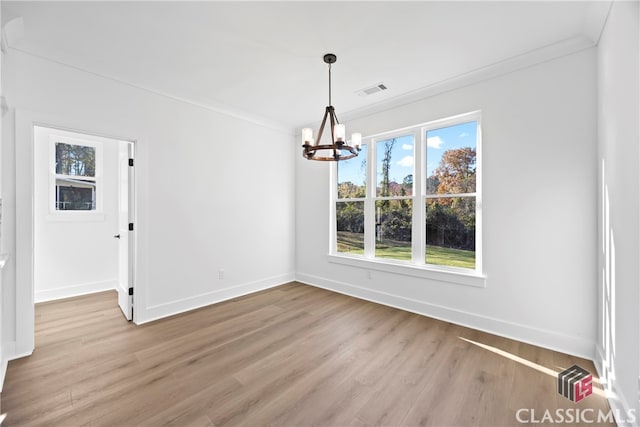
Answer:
[(339, 149)]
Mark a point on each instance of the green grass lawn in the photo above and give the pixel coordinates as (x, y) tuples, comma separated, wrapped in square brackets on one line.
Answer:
[(353, 243), (452, 257)]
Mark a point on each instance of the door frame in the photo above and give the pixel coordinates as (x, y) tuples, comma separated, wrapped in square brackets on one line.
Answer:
[(25, 121), (126, 167)]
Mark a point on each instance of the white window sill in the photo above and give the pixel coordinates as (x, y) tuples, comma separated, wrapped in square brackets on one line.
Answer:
[(444, 274)]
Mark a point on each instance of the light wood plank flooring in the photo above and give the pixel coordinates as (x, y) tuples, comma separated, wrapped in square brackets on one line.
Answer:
[(292, 355)]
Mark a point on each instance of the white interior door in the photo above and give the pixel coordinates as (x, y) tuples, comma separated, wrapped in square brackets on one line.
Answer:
[(125, 234)]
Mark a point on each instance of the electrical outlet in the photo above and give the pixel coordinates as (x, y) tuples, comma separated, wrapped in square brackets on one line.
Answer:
[(221, 274)]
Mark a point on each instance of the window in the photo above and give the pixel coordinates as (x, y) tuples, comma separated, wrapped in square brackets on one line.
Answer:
[(412, 198), (393, 200), (75, 165), (351, 194), (450, 195)]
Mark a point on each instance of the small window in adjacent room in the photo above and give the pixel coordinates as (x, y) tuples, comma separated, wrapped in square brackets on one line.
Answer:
[(75, 178)]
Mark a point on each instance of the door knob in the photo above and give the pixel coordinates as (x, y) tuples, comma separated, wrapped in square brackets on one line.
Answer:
[(117, 236)]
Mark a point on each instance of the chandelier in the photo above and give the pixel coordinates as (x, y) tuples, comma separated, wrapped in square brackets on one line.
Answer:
[(339, 149)]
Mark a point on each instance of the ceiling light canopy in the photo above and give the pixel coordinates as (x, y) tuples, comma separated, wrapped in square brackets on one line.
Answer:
[(340, 148)]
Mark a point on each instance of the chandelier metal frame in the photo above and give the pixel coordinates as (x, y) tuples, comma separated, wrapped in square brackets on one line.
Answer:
[(340, 148)]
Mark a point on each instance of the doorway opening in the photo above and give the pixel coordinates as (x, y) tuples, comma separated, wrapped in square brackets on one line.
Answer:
[(83, 207)]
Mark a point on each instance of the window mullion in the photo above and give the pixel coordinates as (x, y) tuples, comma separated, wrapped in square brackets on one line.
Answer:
[(417, 226), (446, 195), (369, 204), (333, 196)]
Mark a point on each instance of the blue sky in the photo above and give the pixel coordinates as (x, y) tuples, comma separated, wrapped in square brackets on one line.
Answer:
[(353, 170), (402, 154), (443, 139), (401, 159)]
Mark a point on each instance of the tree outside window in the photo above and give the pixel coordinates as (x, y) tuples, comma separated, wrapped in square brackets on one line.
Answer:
[(424, 211), (75, 177)]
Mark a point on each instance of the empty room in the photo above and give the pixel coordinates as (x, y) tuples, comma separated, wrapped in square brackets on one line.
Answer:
[(296, 213)]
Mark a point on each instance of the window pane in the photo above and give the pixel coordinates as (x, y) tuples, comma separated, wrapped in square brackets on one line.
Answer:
[(393, 229), (451, 232), (395, 166), (350, 227), (352, 176), (75, 160), (451, 159), (79, 196)]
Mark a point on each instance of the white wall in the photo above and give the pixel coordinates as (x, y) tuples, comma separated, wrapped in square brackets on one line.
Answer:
[(539, 152), (618, 206), (213, 191), (74, 257), (3, 358)]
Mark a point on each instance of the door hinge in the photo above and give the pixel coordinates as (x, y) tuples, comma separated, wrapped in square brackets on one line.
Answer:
[(130, 226), (130, 162), (130, 291)]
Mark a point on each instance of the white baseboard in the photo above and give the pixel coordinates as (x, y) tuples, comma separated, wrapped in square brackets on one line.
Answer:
[(539, 337), (74, 290), (618, 402), (180, 306)]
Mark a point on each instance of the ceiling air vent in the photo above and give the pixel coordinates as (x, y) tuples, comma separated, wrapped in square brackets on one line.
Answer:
[(371, 89)]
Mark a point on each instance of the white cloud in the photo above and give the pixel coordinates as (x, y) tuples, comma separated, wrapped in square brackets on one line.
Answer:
[(407, 147), (463, 135), (434, 142), (406, 161)]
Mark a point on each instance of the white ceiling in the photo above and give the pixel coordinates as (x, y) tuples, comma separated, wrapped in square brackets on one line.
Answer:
[(263, 60)]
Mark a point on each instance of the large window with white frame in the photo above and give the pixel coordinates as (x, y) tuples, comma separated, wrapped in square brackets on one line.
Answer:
[(412, 197)]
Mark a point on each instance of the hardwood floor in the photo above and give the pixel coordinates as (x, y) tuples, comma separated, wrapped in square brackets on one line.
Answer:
[(292, 355)]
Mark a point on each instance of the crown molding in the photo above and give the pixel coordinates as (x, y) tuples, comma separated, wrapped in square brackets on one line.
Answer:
[(207, 105), (12, 33), (596, 18), (528, 59)]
